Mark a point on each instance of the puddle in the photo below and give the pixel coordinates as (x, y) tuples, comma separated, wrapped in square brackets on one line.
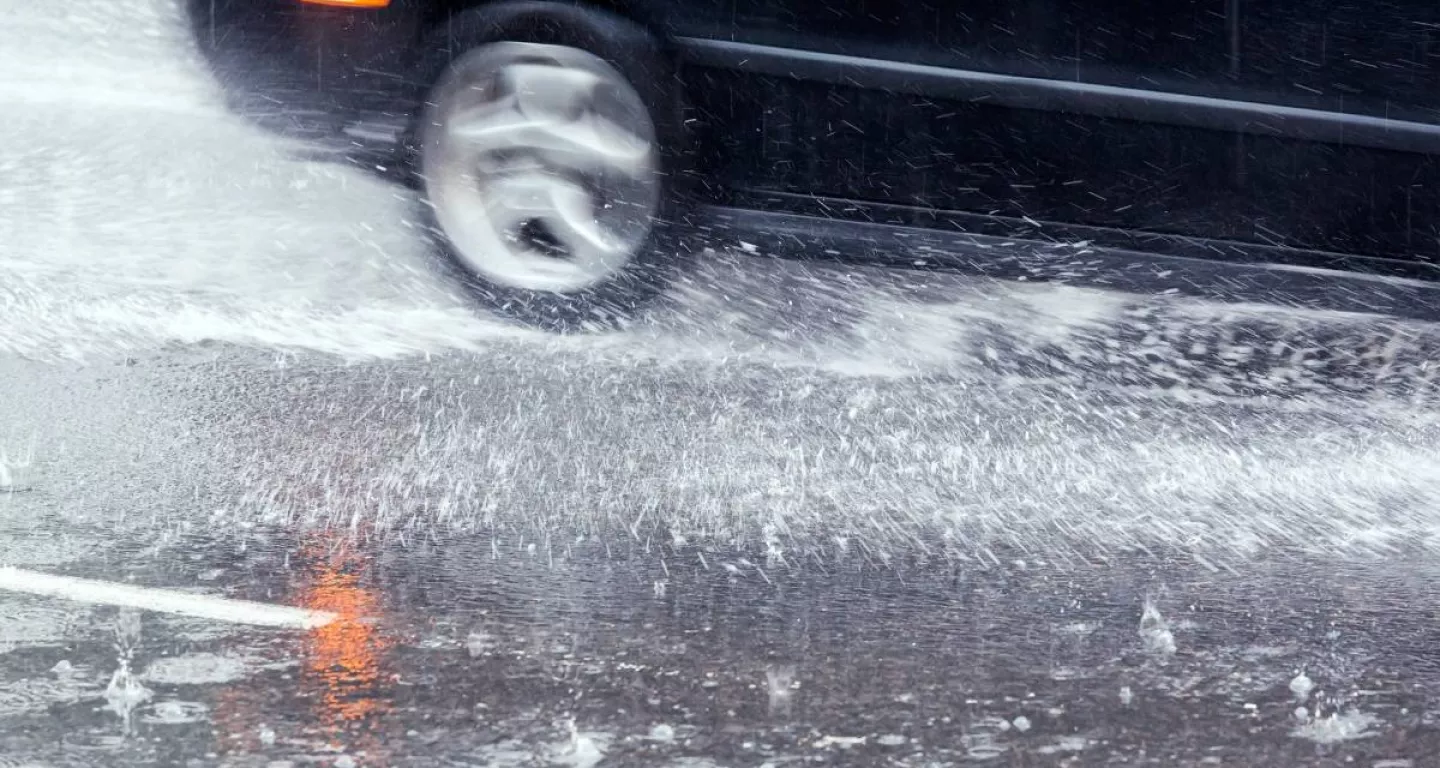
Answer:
[(195, 669)]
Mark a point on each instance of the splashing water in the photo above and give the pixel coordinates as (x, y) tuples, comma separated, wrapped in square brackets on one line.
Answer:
[(1155, 631), (125, 693), (832, 410), (1301, 686), (584, 749), (1337, 727)]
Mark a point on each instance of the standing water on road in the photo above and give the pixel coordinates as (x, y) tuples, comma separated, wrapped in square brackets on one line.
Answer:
[(1101, 520)]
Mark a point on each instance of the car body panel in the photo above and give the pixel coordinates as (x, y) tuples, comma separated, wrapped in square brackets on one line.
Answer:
[(1054, 167)]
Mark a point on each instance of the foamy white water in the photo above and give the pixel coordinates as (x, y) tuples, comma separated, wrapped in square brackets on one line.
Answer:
[(137, 213), (137, 210)]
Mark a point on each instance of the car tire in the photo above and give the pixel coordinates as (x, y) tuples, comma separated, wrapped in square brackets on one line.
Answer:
[(539, 115)]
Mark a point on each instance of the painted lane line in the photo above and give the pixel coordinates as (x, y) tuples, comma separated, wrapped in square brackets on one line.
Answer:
[(161, 600)]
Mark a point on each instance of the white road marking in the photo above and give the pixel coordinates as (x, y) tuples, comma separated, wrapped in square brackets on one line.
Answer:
[(161, 600)]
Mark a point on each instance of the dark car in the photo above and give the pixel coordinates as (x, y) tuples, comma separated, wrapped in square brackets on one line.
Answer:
[(573, 155)]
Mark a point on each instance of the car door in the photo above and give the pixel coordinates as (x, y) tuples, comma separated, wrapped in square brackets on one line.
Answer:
[(1372, 70), (1185, 122), (895, 113)]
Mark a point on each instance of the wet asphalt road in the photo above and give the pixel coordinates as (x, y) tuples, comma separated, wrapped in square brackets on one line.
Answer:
[(806, 515), (650, 578)]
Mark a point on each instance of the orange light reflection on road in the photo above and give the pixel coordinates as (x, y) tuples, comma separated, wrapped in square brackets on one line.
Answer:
[(343, 667), (343, 658)]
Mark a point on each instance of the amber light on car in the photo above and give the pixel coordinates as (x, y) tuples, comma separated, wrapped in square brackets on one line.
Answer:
[(349, 3)]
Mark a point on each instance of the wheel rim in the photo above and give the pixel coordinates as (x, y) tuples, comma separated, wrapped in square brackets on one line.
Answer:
[(540, 163)]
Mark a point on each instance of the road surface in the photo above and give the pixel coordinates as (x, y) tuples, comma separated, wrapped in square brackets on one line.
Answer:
[(801, 515)]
